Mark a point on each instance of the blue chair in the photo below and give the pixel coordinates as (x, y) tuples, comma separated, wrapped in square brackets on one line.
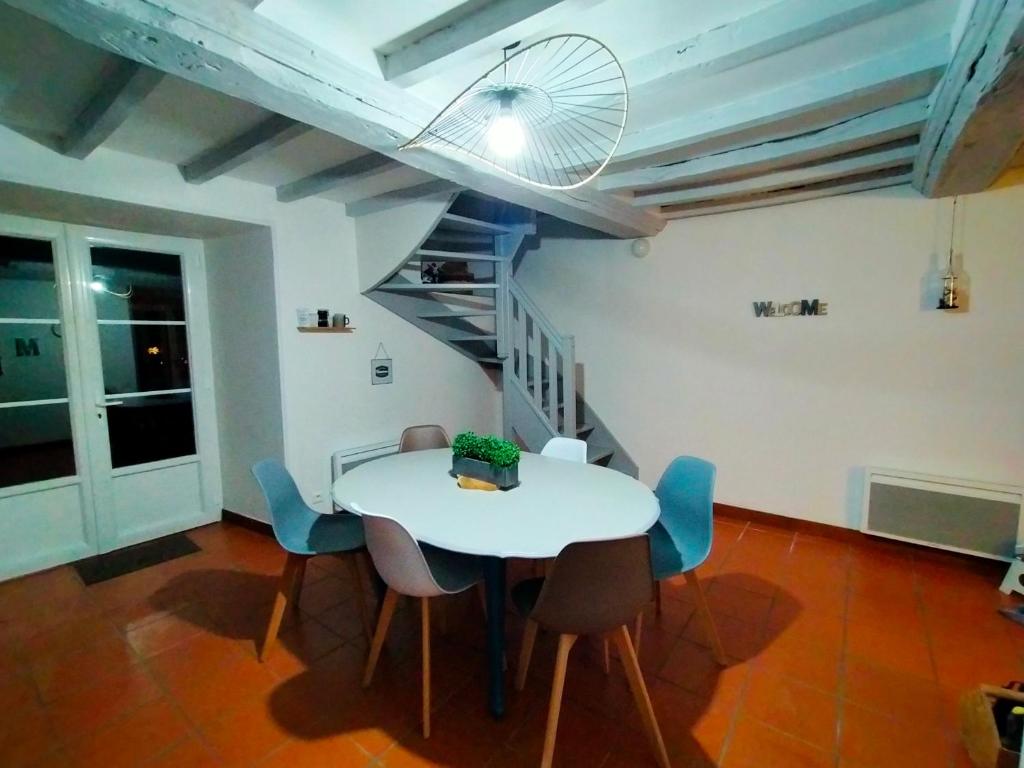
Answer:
[(304, 532), (681, 539)]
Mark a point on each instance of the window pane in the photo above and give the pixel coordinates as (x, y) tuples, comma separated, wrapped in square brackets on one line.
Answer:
[(148, 429), (153, 281), (31, 362), (28, 284), (144, 358), (35, 444)]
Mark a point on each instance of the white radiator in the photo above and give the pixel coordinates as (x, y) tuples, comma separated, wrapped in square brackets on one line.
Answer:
[(977, 518), (348, 458)]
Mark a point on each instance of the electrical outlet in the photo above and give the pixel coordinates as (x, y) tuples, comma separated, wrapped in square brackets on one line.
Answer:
[(318, 498)]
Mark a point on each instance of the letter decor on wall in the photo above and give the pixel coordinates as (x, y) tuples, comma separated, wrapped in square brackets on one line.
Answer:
[(799, 308)]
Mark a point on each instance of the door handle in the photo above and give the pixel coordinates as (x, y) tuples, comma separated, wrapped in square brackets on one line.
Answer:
[(108, 403)]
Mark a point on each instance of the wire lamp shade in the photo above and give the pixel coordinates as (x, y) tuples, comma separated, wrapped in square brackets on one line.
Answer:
[(550, 114)]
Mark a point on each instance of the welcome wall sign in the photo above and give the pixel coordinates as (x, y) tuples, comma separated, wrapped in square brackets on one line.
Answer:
[(798, 308)]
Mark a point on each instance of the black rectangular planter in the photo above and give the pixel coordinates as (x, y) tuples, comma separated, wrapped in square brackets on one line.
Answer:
[(503, 477)]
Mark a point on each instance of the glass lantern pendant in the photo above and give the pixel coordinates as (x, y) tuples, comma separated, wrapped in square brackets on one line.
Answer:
[(948, 299)]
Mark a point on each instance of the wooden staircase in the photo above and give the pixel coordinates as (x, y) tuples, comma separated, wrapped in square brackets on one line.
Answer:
[(486, 315)]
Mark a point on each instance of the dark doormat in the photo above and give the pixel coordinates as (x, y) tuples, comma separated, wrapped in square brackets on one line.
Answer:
[(93, 570)]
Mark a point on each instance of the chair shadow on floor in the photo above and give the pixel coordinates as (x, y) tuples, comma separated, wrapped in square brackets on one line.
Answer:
[(321, 701)]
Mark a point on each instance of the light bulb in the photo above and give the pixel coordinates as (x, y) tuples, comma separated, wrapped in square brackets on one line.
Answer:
[(505, 136), (97, 285)]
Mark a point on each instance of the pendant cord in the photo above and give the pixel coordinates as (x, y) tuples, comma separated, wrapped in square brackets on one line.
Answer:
[(952, 236)]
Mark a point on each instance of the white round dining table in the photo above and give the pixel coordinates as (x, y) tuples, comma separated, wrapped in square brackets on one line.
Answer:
[(557, 502)]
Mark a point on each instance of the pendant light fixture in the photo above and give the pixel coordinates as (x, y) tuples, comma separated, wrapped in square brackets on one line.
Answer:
[(950, 280), (550, 114)]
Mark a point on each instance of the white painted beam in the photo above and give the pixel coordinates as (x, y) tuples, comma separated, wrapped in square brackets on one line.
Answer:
[(777, 28), (861, 163), (436, 188), (122, 91), (350, 172), (486, 29), (977, 122), (885, 125), (257, 141), (810, 104), (828, 189), (229, 48)]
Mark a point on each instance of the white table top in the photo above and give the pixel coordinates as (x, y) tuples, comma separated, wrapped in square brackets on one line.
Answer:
[(556, 503)]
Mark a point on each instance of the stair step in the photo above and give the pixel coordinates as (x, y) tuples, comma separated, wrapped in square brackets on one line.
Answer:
[(583, 429), (463, 238), (429, 255), (436, 287), (474, 337), (457, 313), (596, 453), (466, 224), (489, 360)]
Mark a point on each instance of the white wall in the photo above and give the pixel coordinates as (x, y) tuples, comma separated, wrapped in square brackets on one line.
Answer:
[(790, 409), (247, 380), (328, 401)]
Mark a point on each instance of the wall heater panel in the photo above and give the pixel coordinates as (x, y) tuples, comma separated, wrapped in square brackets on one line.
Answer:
[(968, 516)]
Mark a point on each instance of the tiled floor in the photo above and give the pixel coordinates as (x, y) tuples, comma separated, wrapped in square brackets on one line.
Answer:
[(848, 656)]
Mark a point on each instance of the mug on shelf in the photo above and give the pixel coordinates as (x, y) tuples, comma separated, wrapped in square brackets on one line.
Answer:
[(340, 321)]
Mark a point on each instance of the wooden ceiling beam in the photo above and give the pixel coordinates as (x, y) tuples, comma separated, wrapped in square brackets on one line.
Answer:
[(810, 104), (110, 106), (878, 180), (487, 28), (396, 197), (859, 163), (350, 172), (775, 29), (257, 141), (977, 123), (231, 49), (885, 125)]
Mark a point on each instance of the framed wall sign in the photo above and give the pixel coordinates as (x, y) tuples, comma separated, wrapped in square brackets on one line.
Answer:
[(381, 368)]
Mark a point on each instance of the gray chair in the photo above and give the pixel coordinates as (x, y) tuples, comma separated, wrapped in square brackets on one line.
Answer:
[(595, 587), (417, 570), (423, 437)]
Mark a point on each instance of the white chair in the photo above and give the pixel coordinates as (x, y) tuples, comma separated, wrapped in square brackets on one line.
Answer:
[(566, 448)]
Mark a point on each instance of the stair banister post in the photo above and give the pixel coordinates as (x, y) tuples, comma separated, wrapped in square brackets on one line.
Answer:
[(569, 385)]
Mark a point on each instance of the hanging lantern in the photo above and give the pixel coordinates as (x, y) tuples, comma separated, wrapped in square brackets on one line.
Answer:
[(948, 300)]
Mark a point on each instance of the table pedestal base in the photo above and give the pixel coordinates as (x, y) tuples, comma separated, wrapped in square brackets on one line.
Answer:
[(494, 583)]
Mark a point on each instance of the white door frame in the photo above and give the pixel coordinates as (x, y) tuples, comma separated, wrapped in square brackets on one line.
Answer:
[(80, 240)]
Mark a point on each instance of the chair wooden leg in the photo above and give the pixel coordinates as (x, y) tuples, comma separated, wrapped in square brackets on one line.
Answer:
[(285, 588), (637, 632), (657, 598), (709, 621), (425, 614), (525, 653), (643, 700), (355, 566), (565, 643), (300, 577), (387, 610)]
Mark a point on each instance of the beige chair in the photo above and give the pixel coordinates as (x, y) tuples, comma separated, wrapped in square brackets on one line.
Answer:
[(423, 571), (595, 587), (423, 437)]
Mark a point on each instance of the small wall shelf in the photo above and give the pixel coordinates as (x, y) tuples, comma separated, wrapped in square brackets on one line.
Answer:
[(326, 330)]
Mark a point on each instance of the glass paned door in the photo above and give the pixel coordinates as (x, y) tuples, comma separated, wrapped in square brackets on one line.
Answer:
[(46, 512), (152, 440)]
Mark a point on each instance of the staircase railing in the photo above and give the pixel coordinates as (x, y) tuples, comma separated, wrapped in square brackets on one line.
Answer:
[(541, 361)]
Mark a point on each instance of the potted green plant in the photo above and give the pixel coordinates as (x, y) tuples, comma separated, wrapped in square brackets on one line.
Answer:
[(487, 458)]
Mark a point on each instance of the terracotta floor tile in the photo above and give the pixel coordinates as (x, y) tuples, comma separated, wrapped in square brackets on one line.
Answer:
[(727, 600), (206, 697), (902, 650), (895, 693), (870, 739), (336, 752), (55, 676), (803, 660), (323, 594), (245, 735), (344, 620), (693, 668), (190, 752), (157, 636), (756, 745), (76, 715), (26, 737), (792, 707), (139, 736)]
